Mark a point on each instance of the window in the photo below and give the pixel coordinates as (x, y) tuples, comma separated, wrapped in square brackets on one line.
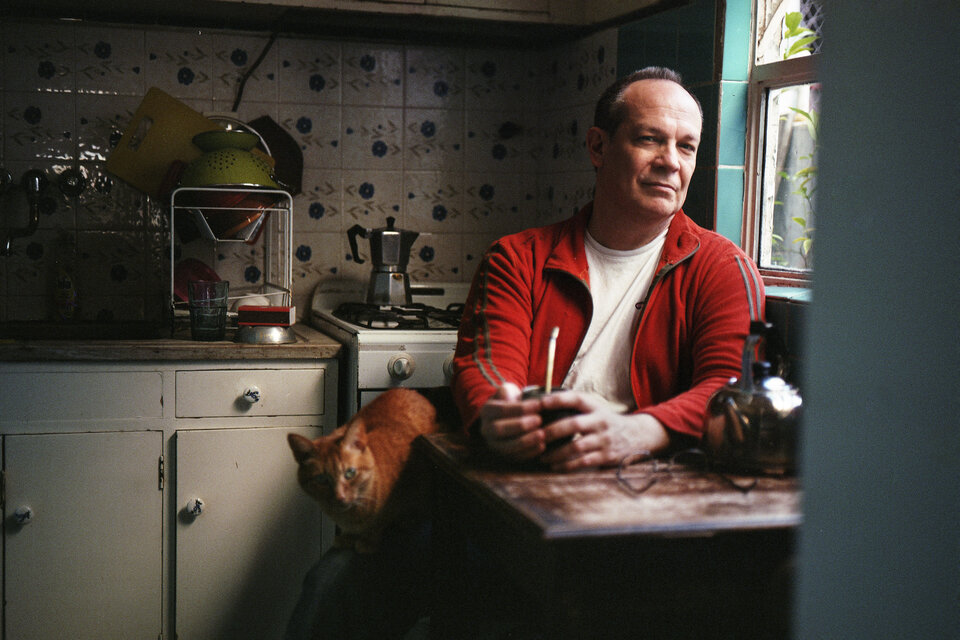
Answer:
[(780, 220)]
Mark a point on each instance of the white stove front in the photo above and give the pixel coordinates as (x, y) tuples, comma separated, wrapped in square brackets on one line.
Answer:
[(374, 360)]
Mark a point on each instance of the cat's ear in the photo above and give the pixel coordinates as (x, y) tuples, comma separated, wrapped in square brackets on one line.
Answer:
[(355, 436), (302, 447)]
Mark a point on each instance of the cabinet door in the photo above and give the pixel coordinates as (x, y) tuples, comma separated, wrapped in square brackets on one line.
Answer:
[(241, 561), (88, 561)]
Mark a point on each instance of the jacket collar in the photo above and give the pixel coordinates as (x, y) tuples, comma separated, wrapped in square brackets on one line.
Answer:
[(568, 252)]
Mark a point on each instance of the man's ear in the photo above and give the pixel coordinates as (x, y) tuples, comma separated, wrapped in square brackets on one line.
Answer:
[(597, 140)]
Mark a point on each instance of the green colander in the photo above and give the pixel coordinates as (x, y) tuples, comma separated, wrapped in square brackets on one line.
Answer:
[(228, 165)]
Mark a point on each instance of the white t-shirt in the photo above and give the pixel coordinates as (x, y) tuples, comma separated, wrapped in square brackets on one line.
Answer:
[(618, 281)]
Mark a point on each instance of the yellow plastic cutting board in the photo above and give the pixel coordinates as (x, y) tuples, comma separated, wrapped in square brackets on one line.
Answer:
[(160, 132)]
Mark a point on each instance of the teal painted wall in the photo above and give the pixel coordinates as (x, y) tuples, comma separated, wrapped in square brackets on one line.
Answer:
[(708, 42)]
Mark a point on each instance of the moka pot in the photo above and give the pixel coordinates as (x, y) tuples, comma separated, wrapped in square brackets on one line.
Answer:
[(389, 252)]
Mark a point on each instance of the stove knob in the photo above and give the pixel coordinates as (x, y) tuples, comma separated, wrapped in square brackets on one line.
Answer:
[(401, 366)]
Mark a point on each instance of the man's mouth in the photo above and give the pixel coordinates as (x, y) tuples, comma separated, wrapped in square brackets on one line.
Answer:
[(660, 186)]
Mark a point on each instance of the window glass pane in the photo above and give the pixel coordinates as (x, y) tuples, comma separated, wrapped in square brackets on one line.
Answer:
[(789, 177), (787, 29)]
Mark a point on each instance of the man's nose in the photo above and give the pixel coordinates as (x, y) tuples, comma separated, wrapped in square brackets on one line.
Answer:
[(668, 156)]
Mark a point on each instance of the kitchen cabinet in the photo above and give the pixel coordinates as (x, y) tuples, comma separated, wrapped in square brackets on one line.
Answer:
[(101, 459), (255, 535), (86, 558)]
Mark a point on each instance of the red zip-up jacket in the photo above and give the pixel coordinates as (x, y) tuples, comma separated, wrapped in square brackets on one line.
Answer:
[(689, 339)]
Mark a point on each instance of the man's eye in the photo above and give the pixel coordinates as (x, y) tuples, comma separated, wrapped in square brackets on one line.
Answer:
[(349, 473)]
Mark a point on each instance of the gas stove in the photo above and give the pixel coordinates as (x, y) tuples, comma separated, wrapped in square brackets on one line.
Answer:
[(413, 316), (387, 346)]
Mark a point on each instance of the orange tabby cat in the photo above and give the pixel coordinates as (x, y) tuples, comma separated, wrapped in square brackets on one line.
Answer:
[(357, 473)]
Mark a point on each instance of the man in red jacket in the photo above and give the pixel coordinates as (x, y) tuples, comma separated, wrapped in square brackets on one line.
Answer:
[(652, 309)]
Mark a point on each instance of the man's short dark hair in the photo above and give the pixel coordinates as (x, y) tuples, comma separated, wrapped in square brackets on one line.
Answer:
[(610, 113)]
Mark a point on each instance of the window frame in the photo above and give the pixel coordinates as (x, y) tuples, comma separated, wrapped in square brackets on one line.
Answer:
[(763, 78)]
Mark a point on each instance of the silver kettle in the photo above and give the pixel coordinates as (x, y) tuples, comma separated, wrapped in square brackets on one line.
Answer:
[(752, 424)]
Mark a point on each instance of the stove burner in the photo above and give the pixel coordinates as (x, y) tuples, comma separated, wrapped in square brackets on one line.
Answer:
[(412, 316)]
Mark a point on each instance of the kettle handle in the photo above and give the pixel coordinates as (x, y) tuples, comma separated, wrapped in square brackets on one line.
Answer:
[(352, 234), (759, 330)]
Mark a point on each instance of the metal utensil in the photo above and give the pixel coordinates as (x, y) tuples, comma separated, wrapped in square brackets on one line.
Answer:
[(551, 354)]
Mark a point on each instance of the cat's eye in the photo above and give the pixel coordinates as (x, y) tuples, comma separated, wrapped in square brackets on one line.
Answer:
[(349, 473)]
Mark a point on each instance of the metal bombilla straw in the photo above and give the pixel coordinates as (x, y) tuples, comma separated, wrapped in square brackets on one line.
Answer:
[(551, 354)]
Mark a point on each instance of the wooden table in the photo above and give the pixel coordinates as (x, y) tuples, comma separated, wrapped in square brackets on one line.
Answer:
[(584, 556)]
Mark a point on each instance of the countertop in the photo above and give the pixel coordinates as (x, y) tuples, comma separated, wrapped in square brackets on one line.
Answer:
[(310, 344)]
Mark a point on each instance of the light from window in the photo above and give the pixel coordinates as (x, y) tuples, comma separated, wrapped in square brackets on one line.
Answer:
[(789, 177), (785, 107)]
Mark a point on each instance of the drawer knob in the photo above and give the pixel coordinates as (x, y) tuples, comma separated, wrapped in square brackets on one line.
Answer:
[(23, 515), (251, 395), (194, 507)]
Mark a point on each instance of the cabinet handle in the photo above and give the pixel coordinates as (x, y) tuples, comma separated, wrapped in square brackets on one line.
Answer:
[(251, 395), (23, 515), (194, 507)]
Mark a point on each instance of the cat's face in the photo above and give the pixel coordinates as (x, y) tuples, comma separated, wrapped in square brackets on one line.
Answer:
[(337, 470)]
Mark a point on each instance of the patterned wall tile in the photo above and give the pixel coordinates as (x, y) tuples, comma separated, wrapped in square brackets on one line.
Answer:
[(309, 71), (319, 206), (370, 197), (101, 122), (433, 201), (108, 61), (433, 139), (372, 138), (436, 258), (109, 203), (462, 145), (495, 141), (434, 78), (39, 125), (316, 128), (180, 63), (316, 256), (495, 201), (233, 58), (496, 79), (39, 57), (372, 74)]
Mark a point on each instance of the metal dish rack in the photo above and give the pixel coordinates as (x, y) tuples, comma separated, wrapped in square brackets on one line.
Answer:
[(277, 237)]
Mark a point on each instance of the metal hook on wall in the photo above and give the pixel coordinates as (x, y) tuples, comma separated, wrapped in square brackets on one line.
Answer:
[(33, 182)]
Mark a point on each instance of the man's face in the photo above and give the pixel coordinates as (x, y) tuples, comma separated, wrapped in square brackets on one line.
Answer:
[(645, 167)]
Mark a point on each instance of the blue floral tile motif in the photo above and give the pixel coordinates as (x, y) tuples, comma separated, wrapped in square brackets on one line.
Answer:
[(317, 210), (252, 274), (372, 138), (435, 78), (426, 253), (239, 57), (372, 75), (304, 253), (433, 139)]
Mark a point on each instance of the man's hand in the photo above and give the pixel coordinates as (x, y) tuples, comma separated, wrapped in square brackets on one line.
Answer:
[(604, 435), (511, 426)]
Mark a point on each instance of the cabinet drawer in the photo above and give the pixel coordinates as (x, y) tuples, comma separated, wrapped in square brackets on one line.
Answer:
[(250, 392), (81, 395)]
